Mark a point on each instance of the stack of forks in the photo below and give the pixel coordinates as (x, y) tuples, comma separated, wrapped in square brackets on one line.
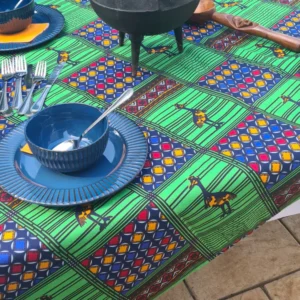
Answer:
[(17, 67)]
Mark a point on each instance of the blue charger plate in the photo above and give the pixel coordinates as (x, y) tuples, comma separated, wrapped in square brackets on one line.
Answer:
[(42, 14), (22, 176)]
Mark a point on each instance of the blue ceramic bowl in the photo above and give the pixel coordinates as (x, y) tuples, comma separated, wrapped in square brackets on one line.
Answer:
[(15, 20), (58, 123)]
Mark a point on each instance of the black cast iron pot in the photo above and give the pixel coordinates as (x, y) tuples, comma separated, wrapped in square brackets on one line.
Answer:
[(144, 17)]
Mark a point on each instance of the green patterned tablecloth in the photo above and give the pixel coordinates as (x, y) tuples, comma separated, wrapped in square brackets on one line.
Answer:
[(222, 123)]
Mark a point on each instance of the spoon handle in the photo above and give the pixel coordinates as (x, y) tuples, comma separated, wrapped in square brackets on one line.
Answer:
[(122, 99), (252, 28)]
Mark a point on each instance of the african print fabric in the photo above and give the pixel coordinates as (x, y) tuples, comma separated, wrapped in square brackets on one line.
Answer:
[(222, 125)]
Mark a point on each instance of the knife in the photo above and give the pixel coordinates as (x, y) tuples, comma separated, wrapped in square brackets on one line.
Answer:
[(28, 78), (38, 105)]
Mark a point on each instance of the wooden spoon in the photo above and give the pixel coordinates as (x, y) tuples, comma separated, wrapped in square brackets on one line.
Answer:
[(206, 10)]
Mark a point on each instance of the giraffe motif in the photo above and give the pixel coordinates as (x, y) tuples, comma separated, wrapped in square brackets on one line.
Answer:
[(278, 52), (85, 212), (54, 6), (231, 4), (286, 99), (63, 57), (159, 49), (218, 199), (200, 117)]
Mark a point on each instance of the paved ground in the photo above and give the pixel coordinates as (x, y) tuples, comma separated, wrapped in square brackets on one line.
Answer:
[(264, 266)]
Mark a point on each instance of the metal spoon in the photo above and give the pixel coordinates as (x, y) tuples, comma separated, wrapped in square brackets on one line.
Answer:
[(70, 144)]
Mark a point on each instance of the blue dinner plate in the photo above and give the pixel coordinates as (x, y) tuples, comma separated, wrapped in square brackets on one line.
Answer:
[(22, 176), (42, 14)]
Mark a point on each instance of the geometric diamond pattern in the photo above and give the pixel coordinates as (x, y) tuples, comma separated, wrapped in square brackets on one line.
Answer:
[(176, 268), (100, 34), (196, 32), (24, 260), (152, 94), (107, 78), (266, 145), (241, 80), (5, 127), (286, 194), (165, 157), (138, 250), (289, 25), (228, 39)]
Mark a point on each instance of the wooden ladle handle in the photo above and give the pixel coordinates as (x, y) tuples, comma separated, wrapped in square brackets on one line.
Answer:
[(252, 28)]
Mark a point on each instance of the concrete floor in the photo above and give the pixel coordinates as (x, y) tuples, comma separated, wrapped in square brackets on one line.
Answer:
[(264, 266)]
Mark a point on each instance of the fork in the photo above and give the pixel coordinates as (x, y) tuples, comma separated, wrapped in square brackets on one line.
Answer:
[(7, 68), (39, 74), (21, 70)]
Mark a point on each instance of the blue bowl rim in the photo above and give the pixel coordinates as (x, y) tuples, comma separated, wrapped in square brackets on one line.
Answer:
[(64, 104), (11, 11)]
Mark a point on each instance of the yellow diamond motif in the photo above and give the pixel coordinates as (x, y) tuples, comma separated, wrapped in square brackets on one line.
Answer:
[(28, 276), (101, 68), (290, 24), (147, 179), (110, 91), (171, 246), (137, 237), (178, 152), (211, 81), (260, 83), (145, 268), (168, 161), (123, 248), (118, 288), (158, 170), (110, 63), (94, 269), (12, 286), (234, 66), (43, 265), (82, 79), (108, 259), (106, 42), (253, 90), (283, 28), (92, 73), (130, 278), (8, 235), (245, 138), (151, 226), (275, 167), (268, 76), (246, 94), (219, 77), (262, 123), (235, 145), (286, 156), (295, 146), (158, 257), (226, 152), (264, 177), (253, 130)]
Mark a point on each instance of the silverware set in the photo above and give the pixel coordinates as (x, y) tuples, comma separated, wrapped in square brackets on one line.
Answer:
[(17, 67)]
